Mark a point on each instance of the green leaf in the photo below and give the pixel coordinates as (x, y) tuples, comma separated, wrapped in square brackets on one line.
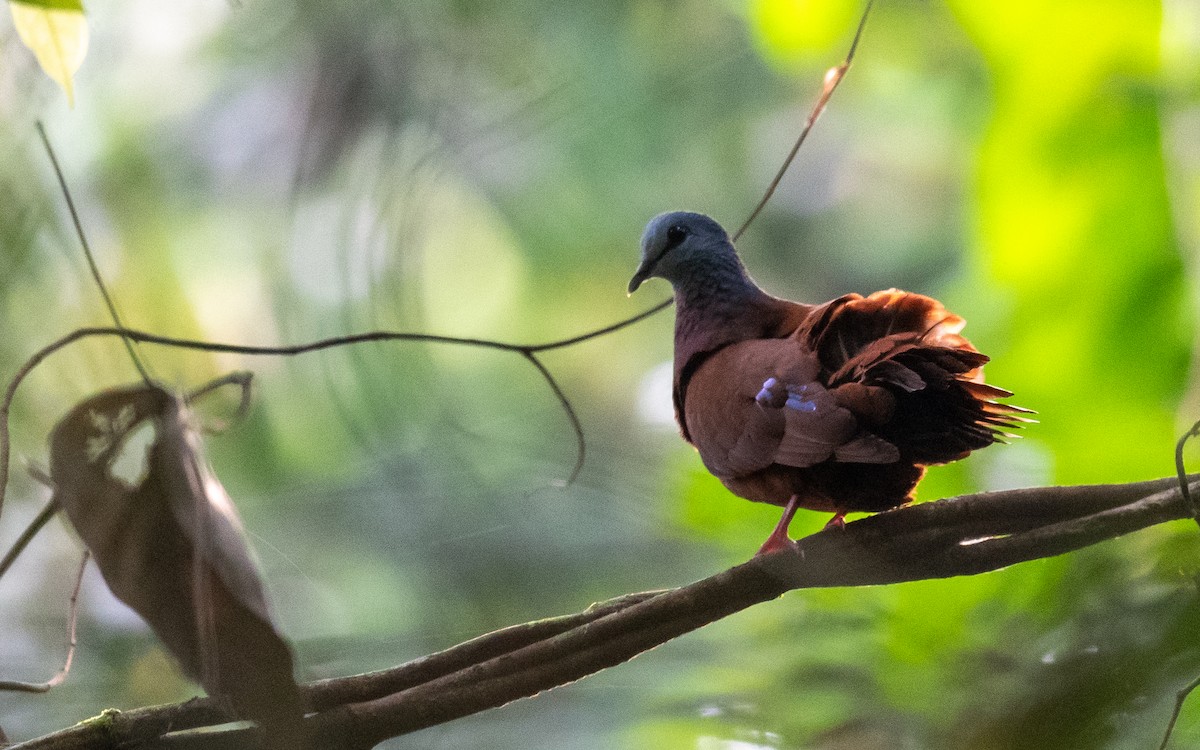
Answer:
[(73, 5), (1075, 220), (57, 33), (791, 31)]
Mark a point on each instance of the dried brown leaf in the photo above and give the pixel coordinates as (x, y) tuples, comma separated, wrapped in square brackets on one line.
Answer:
[(170, 545)]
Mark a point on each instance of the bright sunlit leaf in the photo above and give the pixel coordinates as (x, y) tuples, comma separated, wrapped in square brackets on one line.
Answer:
[(1076, 220), (791, 30), (56, 31)]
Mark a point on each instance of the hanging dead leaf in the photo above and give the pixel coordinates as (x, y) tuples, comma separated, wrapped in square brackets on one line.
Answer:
[(170, 545), (56, 31)]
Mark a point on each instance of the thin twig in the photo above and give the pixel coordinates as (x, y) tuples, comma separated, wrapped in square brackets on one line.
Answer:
[(576, 425), (833, 77), (39, 521), (601, 331), (72, 622), (1180, 698), (525, 350), (243, 380), (1181, 470), (87, 253)]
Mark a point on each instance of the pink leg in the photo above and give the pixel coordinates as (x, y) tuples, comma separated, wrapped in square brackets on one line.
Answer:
[(779, 539)]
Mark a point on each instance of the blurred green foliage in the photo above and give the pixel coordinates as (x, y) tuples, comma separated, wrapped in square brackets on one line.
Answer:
[(267, 172)]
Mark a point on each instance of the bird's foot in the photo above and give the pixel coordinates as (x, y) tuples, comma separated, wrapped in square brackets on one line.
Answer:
[(837, 522), (779, 539), (777, 543)]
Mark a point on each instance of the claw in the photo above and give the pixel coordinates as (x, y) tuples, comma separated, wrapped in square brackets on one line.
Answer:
[(837, 522)]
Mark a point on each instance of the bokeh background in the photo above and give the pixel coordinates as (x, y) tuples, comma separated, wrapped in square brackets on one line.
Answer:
[(275, 172)]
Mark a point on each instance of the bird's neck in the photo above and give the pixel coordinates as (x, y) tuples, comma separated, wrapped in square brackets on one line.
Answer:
[(721, 306), (720, 281)]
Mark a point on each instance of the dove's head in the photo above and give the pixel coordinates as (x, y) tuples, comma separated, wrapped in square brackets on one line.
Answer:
[(681, 245)]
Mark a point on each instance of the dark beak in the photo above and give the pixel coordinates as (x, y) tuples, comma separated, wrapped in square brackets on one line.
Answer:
[(642, 273)]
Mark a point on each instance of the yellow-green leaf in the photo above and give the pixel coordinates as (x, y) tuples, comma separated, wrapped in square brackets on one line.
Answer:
[(57, 33), (76, 5)]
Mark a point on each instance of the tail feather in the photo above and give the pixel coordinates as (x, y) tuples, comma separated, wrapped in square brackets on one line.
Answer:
[(910, 345)]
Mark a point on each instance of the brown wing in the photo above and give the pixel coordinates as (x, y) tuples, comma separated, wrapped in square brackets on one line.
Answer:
[(761, 402)]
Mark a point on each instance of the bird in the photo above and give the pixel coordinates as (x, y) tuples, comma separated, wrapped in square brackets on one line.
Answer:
[(836, 407)]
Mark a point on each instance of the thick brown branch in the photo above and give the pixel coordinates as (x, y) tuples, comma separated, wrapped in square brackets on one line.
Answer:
[(960, 536)]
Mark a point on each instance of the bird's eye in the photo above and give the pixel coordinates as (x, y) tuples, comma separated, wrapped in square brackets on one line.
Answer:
[(675, 235)]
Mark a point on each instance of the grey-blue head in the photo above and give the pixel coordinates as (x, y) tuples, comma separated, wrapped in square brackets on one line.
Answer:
[(680, 244)]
